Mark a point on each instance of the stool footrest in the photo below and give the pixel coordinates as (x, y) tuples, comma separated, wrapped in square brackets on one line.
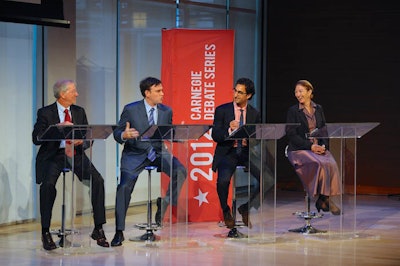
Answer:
[(67, 232), (145, 226), (237, 224), (308, 215)]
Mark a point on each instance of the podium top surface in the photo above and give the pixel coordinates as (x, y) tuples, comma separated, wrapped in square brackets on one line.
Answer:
[(260, 131), (343, 130), (85, 132), (174, 132), (276, 131)]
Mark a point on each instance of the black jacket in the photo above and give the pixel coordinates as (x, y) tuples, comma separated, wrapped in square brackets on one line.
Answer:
[(47, 116), (297, 135), (224, 114)]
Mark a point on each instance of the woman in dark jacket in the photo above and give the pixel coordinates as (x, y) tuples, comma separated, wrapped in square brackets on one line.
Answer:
[(310, 157)]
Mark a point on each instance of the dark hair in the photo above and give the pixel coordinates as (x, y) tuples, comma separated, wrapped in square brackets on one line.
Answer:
[(147, 83), (249, 85)]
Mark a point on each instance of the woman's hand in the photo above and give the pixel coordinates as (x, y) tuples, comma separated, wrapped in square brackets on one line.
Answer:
[(318, 149)]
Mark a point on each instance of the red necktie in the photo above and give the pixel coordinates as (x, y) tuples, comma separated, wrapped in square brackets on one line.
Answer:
[(67, 116), (68, 146)]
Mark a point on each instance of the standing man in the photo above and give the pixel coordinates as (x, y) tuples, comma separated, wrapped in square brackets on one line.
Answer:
[(136, 155), (230, 153), (54, 156)]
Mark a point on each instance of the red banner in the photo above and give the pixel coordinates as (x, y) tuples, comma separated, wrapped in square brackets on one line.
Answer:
[(197, 75)]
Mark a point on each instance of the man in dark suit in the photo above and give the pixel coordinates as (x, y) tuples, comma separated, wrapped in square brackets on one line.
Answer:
[(137, 154), (54, 156), (231, 153)]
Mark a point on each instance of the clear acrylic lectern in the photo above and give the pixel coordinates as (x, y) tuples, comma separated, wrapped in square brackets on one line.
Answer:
[(343, 146), (76, 210), (262, 143), (175, 140)]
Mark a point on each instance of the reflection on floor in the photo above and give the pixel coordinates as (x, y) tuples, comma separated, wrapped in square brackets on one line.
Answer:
[(376, 241)]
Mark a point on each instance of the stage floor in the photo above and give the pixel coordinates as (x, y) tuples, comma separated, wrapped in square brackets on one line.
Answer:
[(378, 224)]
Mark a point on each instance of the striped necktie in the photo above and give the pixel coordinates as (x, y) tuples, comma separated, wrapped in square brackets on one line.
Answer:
[(151, 116), (152, 153)]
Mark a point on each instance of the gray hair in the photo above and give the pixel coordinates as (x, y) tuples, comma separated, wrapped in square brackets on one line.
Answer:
[(61, 86)]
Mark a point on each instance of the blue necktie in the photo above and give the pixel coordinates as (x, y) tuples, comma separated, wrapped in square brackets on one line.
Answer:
[(151, 116), (241, 118), (152, 153), (239, 142)]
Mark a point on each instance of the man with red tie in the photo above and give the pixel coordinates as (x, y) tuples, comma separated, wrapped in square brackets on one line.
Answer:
[(54, 156), (231, 153)]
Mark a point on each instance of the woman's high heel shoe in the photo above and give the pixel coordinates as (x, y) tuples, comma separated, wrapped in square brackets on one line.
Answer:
[(334, 209), (323, 203), (320, 204)]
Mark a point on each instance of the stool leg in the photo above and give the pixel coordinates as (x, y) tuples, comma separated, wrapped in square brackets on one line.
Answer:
[(63, 232), (149, 227), (149, 235), (149, 203), (234, 197)]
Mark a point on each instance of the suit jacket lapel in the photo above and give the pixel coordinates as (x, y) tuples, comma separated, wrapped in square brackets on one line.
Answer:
[(144, 123), (55, 118), (250, 115), (231, 113), (162, 116), (303, 117)]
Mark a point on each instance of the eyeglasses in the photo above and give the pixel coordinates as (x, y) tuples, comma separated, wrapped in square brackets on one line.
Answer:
[(239, 92)]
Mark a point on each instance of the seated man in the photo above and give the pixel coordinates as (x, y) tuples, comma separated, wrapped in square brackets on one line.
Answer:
[(231, 153), (135, 119), (54, 156)]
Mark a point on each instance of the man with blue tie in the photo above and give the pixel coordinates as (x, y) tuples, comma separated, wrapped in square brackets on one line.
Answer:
[(135, 119)]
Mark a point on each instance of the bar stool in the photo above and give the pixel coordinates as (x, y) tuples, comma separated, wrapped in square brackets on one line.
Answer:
[(63, 232), (149, 226), (306, 215)]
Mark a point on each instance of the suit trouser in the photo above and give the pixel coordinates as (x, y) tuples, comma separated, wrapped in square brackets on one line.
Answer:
[(83, 169), (226, 168), (129, 178)]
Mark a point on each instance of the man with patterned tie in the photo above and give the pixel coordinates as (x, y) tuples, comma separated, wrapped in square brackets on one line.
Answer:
[(54, 156), (231, 153), (135, 119)]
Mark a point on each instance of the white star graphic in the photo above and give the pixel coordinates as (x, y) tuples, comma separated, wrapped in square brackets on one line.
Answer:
[(202, 197)]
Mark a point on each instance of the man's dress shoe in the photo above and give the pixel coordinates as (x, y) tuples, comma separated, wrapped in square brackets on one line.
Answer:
[(99, 236), (244, 211), (47, 240), (118, 239), (228, 219)]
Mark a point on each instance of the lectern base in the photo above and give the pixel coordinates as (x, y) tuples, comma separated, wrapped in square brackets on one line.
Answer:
[(148, 236), (234, 233), (307, 229)]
